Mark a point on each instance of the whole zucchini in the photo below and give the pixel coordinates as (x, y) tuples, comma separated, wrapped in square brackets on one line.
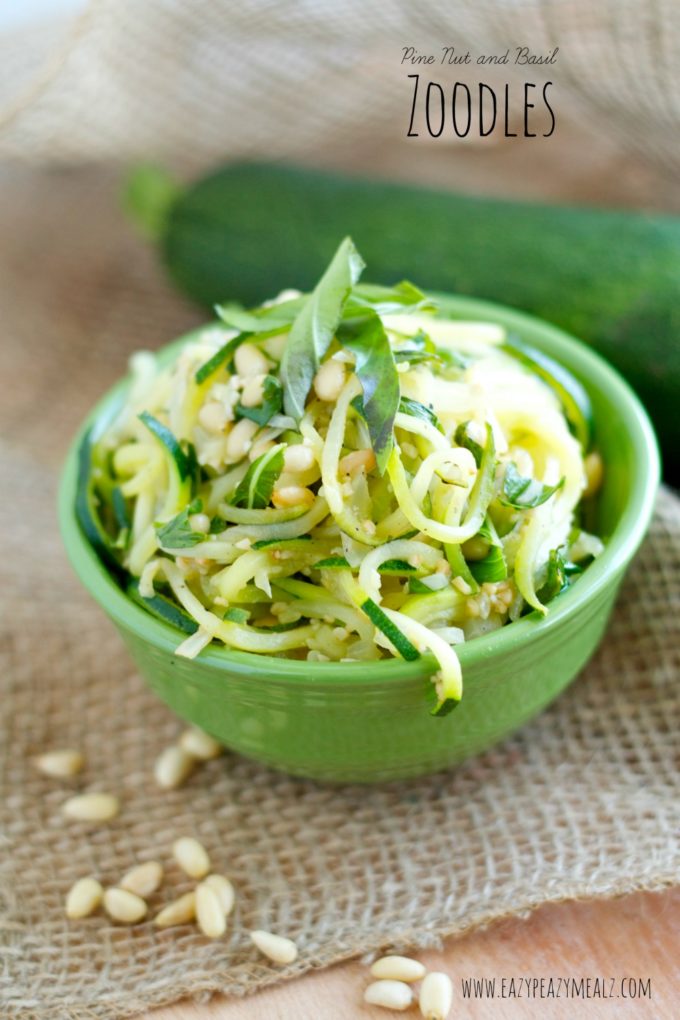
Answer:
[(611, 278)]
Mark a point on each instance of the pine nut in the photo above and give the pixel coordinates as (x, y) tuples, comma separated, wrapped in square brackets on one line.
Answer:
[(200, 745), (212, 920), (249, 360), (60, 764), (143, 880), (83, 898), (180, 911), (292, 495), (298, 458), (213, 417), (173, 766), (224, 890), (91, 807), (436, 996), (191, 857), (358, 460), (389, 994), (124, 906), (199, 522), (329, 380), (252, 393), (594, 470), (240, 439), (275, 947), (398, 968)]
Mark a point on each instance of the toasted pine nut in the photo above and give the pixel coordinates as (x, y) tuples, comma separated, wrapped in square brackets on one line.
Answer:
[(461, 584), (60, 764), (143, 880), (276, 947), (292, 495), (240, 439), (191, 857), (436, 996), (275, 346), (329, 380), (252, 394), (212, 920), (83, 898), (124, 906), (390, 994), (180, 911), (594, 470), (199, 522), (260, 447), (91, 807), (200, 745), (224, 890), (249, 360), (398, 968), (173, 766), (358, 460), (213, 417), (298, 458)]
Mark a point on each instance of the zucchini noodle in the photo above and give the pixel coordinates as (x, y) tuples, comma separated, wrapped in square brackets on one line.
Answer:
[(340, 535)]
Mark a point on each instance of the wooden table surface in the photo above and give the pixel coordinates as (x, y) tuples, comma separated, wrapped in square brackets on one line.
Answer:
[(637, 936)]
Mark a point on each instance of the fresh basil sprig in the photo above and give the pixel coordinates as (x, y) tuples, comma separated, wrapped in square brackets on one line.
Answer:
[(525, 493), (315, 326), (272, 403), (178, 533), (377, 372), (418, 410), (255, 489)]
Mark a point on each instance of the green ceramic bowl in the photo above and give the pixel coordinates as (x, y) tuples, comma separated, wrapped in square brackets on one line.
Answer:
[(370, 722)]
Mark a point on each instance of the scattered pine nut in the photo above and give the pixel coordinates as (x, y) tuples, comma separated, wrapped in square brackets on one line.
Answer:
[(329, 380), (297, 458), (213, 417), (292, 495), (240, 440), (436, 996), (275, 947), (211, 918), (191, 857), (60, 764), (225, 891), (124, 906), (389, 994), (357, 460), (173, 766), (91, 807), (143, 880), (398, 968), (200, 745), (83, 898), (180, 911), (249, 360)]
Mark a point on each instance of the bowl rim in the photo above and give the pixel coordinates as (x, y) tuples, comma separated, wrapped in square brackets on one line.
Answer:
[(619, 550)]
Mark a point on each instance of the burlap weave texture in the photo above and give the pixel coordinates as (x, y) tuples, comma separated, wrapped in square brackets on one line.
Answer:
[(583, 802)]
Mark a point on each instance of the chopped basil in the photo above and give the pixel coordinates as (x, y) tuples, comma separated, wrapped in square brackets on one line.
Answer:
[(404, 297), (255, 489), (261, 320), (272, 403), (418, 410), (217, 525), (377, 372), (315, 325), (236, 615), (525, 493), (178, 533)]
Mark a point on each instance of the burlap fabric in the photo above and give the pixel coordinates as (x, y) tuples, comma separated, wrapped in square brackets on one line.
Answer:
[(583, 802)]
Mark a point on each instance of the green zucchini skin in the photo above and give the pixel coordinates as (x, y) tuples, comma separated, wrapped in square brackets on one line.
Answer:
[(610, 278)]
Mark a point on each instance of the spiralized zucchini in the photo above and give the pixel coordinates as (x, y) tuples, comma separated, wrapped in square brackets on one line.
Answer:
[(321, 537)]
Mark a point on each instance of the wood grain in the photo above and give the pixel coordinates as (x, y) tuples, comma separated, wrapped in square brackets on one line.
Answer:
[(637, 936)]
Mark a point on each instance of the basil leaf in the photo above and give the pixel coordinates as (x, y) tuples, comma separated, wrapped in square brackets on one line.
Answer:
[(217, 525), (525, 493), (416, 349), (418, 410), (377, 372), (314, 328), (178, 533), (224, 354), (271, 404), (405, 297), (556, 578), (260, 320), (492, 568), (462, 438), (255, 489)]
